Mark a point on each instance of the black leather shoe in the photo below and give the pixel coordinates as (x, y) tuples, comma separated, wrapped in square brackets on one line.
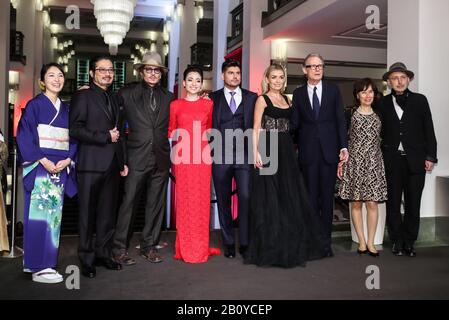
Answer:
[(229, 252), (88, 271), (362, 251), (410, 251), (373, 254), (396, 249), (108, 264), (243, 250)]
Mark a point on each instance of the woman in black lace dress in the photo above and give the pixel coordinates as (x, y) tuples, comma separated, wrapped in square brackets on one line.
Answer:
[(283, 230)]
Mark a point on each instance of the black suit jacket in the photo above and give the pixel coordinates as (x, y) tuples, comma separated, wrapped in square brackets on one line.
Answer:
[(415, 130), (146, 139), (329, 130), (90, 123)]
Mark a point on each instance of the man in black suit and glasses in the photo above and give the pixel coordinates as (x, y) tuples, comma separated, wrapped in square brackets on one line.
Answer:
[(410, 150), (319, 121), (95, 119)]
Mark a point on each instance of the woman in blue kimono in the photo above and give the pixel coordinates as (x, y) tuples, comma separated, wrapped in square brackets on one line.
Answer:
[(46, 154)]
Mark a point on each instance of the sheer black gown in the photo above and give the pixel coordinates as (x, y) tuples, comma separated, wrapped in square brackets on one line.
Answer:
[(284, 230)]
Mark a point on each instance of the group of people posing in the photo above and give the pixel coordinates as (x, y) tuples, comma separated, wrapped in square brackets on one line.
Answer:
[(379, 149)]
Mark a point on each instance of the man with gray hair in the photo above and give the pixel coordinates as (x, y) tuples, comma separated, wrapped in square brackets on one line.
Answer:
[(410, 150), (319, 121)]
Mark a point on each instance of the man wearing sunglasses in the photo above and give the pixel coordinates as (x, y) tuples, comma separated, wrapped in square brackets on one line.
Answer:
[(146, 108), (319, 122)]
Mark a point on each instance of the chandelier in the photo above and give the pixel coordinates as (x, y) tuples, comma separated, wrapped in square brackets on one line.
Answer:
[(113, 20)]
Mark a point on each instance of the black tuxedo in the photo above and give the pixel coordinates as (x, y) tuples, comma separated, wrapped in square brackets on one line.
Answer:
[(405, 171), (223, 173), (98, 164), (148, 159), (320, 141)]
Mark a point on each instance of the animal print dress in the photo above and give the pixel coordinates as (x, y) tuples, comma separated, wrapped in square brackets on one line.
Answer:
[(364, 173)]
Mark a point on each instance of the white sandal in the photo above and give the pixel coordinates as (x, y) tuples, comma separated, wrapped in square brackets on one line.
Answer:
[(47, 276)]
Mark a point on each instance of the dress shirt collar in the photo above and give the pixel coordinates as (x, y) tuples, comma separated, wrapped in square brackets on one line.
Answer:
[(238, 91)]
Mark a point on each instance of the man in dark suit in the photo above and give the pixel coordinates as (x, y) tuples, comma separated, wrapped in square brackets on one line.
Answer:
[(95, 119), (147, 112), (319, 121), (409, 149), (233, 110)]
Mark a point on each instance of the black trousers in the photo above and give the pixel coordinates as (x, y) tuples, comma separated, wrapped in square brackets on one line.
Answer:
[(320, 178), (403, 231), (155, 181), (222, 176), (97, 195)]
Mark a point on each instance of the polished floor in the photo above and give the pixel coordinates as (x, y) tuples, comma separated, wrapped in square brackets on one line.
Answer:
[(342, 277)]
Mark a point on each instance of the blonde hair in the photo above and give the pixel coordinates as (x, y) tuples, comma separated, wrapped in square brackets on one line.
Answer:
[(268, 71)]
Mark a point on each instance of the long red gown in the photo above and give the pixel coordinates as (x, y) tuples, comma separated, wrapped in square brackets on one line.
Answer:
[(192, 169)]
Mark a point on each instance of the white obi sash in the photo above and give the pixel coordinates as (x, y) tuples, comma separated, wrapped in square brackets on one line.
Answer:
[(51, 137)]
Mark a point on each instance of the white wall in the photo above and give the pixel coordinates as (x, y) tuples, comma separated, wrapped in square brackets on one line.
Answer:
[(188, 38), (4, 65), (221, 22), (432, 81), (173, 55), (341, 72), (26, 23), (338, 53), (418, 37), (256, 50), (403, 34)]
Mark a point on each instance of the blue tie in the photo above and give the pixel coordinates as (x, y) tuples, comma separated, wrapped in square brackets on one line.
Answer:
[(233, 104), (316, 104)]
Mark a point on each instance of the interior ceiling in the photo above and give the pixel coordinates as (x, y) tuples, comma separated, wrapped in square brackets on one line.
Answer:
[(149, 16), (87, 20), (341, 23)]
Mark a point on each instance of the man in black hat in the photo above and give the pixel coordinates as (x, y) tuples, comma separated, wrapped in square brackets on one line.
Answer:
[(147, 159), (410, 150)]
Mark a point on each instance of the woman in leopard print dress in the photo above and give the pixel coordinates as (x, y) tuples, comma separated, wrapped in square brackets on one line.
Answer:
[(363, 176)]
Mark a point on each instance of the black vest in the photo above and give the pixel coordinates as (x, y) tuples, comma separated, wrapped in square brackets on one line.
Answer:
[(229, 121)]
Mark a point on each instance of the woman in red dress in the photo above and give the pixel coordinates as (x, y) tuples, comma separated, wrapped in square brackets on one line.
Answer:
[(190, 119)]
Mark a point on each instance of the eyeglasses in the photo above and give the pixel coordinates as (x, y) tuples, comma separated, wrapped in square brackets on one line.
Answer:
[(152, 70), (105, 71), (315, 66)]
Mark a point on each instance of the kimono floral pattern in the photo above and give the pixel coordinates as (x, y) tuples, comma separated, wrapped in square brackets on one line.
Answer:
[(46, 203)]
